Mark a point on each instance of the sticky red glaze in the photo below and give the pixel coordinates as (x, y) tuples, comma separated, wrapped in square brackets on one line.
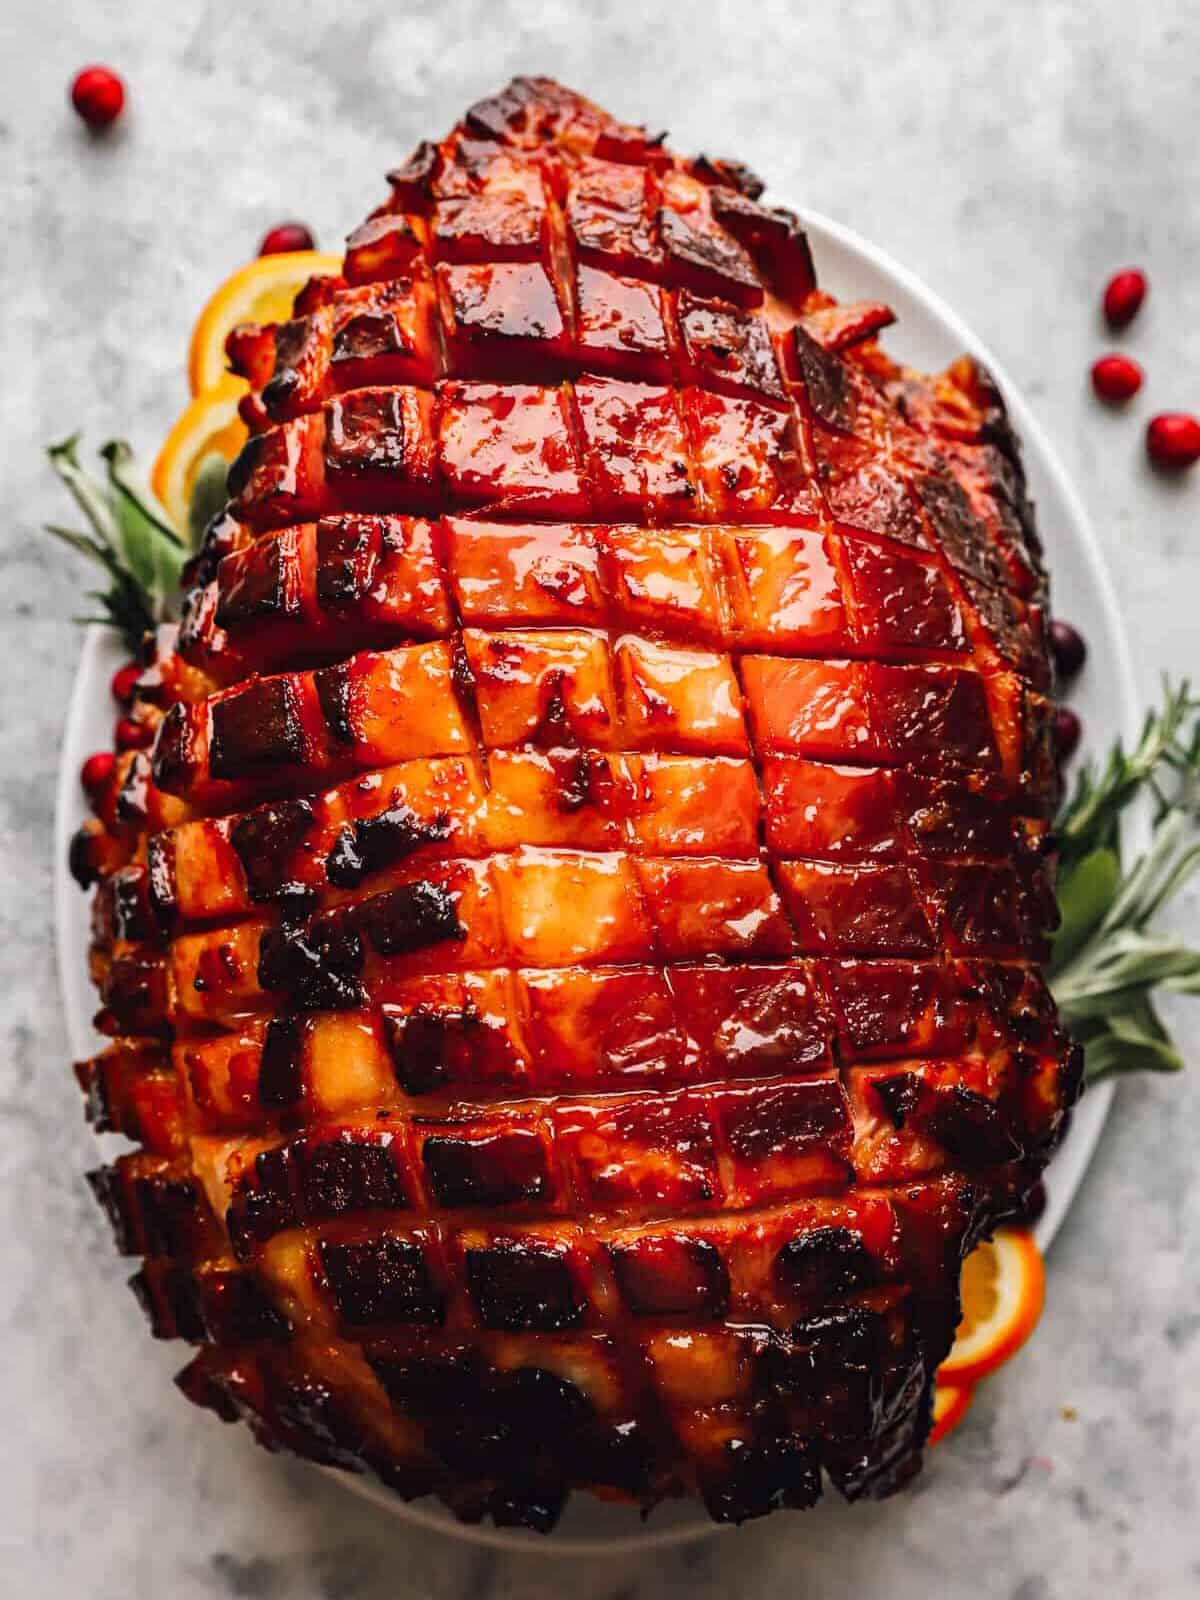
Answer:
[(572, 954)]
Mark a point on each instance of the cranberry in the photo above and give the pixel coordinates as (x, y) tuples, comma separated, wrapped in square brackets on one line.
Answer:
[(96, 771), (131, 735), (1116, 378), (1123, 297), (98, 96), (1068, 649), (124, 683), (1068, 730), (1173, 440), (285, 237)]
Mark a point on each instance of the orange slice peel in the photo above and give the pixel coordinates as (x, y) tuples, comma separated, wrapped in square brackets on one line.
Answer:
[(261, 291), (1003, 1290), (951, 1402), (209, 426)]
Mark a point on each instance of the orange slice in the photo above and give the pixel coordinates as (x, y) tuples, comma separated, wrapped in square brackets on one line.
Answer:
[(261, 291), (951, 1402), (1003, 1287), (210, 426)]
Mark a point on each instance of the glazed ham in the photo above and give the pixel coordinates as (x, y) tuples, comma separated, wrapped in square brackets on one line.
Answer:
[(572, 957)]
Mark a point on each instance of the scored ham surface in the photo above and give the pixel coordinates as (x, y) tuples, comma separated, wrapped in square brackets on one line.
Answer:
[(572, 957)]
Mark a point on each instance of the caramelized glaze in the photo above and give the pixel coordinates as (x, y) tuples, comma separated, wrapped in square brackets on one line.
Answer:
[(572, 958)]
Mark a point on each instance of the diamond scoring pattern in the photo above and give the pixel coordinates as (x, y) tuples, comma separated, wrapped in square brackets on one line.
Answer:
[(584, 956)]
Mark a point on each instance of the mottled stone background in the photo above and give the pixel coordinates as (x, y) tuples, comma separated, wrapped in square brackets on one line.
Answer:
[(1011, 152)]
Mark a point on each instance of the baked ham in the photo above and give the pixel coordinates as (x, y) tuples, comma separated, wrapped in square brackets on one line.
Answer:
[(572, 958)]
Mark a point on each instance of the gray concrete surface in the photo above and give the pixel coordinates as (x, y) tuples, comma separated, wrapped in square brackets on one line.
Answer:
[(1012, 154)]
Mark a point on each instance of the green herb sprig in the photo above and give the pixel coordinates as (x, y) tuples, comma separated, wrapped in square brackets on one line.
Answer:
[(1107, 961), (129, 535)]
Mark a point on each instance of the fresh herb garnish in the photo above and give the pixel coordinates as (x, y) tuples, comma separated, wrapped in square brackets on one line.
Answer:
[(209, 494), (129, 535), (1107, 961)]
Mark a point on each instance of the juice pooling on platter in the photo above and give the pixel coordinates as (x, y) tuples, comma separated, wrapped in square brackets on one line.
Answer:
[(573, 955)]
